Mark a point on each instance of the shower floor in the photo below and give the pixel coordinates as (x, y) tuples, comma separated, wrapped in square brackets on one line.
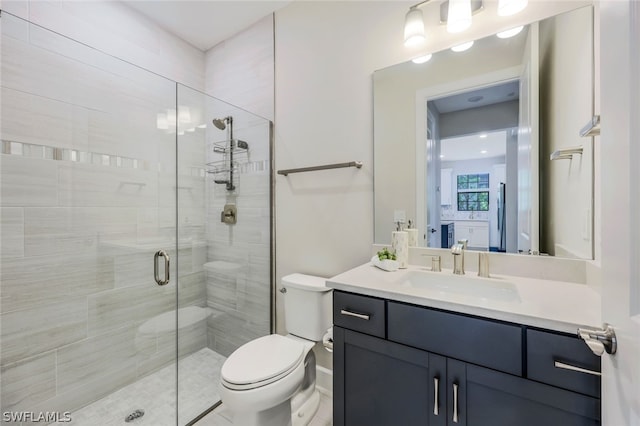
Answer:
[(155, 394)]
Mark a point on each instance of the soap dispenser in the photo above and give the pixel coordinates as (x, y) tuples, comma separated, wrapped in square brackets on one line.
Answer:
[(400, 245), (413, 235)]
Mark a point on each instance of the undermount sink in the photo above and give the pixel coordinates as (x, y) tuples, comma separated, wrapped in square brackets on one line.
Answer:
[(462, 286)]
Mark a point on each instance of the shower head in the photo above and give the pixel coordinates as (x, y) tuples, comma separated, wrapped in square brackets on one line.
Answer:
[(221, 123)]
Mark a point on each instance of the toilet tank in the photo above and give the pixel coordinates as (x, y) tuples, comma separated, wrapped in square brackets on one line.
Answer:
[(307, 306)]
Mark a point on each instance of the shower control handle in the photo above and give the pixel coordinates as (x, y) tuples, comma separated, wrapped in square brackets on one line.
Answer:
[(160, 281)]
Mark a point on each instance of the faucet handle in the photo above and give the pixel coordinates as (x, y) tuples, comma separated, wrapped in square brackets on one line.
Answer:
[(483, 264), (464, 243), (457, 249), (436, 264)]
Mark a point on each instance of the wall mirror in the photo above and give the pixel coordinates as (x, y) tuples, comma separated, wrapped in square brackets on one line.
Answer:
[(463, 142)]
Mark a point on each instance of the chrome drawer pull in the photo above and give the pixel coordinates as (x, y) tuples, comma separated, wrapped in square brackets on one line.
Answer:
[(564, 366), (455, 403), (436, 389), (354, 314)]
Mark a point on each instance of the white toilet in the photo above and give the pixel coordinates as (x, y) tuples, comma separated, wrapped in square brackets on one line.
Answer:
[(271, 381)]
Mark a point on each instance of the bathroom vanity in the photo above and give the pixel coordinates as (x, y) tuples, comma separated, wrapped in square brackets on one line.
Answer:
[(419, 348)]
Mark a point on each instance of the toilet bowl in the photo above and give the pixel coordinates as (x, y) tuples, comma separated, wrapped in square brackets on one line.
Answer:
[(270, 381)]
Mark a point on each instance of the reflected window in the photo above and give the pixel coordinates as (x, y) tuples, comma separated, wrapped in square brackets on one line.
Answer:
[(469, 198)]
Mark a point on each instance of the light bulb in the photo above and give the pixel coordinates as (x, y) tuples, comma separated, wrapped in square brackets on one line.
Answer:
[(422, 59), (510, 33), (459, 15), (184, 114), (161, 121), (462, 47)]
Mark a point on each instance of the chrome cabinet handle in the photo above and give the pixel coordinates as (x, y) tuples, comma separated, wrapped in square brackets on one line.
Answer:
[(166, 267), (564, 366), (436, 389), (455, 403), (354, 314)]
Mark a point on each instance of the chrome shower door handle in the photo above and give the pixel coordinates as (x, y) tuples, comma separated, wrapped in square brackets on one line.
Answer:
[(156, 274)]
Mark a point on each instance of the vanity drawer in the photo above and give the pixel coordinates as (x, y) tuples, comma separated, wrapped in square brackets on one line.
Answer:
[(359, 313), (487, 343), (549, 355)]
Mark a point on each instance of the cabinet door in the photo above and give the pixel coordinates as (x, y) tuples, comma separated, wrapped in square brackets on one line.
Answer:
[(479, 236), (498, 399), (462, 232), (379, 383)]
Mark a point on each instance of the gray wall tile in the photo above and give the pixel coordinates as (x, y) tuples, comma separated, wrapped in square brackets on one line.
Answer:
[(28, 382), (33, 331)]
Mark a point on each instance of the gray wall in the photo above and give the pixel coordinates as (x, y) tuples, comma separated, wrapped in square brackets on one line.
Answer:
[(484, 119)]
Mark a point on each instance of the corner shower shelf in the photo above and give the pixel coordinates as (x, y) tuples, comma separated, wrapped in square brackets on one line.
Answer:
[(233, 152)]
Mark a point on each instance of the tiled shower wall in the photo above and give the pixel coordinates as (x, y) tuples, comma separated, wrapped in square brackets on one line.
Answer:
[(239, 262), (88, 195), (240, 71)]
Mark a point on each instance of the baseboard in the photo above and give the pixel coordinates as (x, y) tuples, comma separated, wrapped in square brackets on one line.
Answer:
[(324, 380)]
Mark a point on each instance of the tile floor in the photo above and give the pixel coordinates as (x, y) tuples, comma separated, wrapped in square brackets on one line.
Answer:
[(324, 417), (198, 390)]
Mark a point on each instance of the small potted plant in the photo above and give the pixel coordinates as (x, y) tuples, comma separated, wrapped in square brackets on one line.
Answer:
[(385, 260)]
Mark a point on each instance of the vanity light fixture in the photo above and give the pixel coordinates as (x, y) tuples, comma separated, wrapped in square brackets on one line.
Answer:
[(511, 7), (455, 13), (510, 33), (462, 47), (422, 59), (458, 16), (414, 26)]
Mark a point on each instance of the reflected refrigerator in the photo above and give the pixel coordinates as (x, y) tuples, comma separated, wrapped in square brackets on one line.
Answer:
[(502, 246)]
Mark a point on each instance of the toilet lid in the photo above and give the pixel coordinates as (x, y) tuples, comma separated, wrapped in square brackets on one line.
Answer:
[(262, 359)]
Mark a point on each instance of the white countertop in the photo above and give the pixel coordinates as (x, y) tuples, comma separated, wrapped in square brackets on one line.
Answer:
[(554, 305)]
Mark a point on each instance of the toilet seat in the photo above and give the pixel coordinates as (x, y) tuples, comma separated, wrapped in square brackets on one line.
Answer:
[(262, 361)]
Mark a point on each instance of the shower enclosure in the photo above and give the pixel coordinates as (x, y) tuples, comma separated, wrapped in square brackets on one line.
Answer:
[(104, 166)]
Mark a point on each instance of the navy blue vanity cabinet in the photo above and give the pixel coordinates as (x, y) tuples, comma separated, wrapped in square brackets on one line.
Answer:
[(420, 366), (446, 235), (379, 382), (499, 399)]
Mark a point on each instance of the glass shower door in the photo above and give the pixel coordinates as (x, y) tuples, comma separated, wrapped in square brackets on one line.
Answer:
[(224, 224), (88, 196)]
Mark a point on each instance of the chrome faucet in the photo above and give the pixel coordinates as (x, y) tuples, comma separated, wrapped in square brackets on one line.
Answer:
[(458, 258)]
